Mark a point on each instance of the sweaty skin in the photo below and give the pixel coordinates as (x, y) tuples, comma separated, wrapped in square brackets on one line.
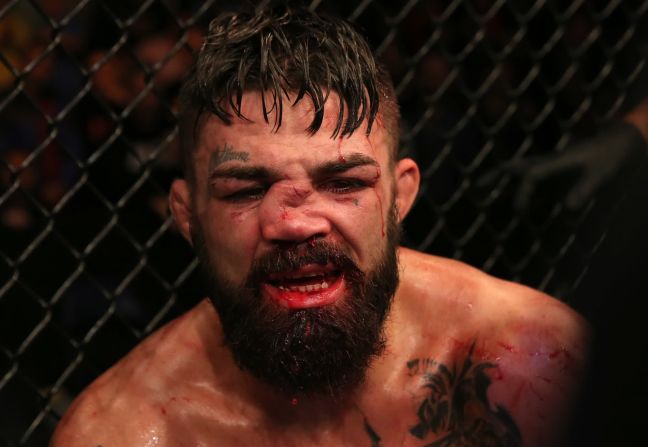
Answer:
[(470, 359)]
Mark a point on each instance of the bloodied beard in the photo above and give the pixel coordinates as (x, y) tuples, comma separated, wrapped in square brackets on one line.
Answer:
[(314, 351)]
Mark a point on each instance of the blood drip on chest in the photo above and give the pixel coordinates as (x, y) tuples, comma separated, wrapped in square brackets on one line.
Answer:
[(506, 346)]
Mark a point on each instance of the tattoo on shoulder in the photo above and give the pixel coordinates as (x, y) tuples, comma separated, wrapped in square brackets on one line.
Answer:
[(456, 406), (226, 153)]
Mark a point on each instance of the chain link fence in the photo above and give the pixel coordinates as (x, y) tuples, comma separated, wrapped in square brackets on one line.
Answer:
[(89, 260)]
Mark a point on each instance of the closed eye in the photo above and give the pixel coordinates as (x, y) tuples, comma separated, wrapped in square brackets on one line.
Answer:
[(344, 185), (246, 195)]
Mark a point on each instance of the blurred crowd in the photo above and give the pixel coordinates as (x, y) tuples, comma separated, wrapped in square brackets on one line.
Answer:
[(70, 91), (88, 148)]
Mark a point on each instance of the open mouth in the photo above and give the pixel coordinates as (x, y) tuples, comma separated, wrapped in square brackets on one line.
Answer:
[(305, 283), (310, 286)]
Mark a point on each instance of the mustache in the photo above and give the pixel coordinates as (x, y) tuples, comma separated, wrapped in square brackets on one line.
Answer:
[(297, 256)]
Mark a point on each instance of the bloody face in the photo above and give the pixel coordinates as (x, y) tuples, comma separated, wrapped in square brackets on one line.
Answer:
[(298, 236), (317, 349)]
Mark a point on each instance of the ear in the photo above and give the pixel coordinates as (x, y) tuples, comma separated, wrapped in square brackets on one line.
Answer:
[(180, 205), (407, 177)]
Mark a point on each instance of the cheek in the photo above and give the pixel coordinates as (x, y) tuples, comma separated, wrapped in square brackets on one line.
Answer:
[(225, 219), (368, 206), (233, 235), (352, 202), (368, 210), (361, 220), (237, 217)]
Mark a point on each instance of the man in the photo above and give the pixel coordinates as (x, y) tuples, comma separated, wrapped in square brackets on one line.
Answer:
[(319, 329)]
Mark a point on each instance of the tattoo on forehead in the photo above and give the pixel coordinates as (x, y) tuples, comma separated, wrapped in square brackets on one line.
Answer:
[(226, 153)]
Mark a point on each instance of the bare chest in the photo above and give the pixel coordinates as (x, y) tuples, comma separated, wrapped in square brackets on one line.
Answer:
[(429, 398), (462, 392)]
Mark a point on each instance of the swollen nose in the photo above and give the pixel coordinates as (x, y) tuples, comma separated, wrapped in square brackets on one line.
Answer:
[(290, 214)]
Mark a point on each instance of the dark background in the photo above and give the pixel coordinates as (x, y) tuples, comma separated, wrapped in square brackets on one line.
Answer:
[(90, 262)]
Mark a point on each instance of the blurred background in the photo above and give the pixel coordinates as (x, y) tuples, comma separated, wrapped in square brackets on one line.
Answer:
[(90, 262)]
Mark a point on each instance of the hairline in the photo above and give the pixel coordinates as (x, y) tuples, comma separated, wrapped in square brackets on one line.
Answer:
[(196, 119)]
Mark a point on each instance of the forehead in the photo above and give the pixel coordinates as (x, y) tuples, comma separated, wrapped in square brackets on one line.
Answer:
[(254, 130)]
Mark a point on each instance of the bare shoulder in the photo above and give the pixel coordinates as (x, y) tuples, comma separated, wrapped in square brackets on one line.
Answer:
[(532, 348), (485, 303), (130, 403)]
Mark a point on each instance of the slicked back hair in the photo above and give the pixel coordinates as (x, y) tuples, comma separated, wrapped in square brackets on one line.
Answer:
[(286, 52)]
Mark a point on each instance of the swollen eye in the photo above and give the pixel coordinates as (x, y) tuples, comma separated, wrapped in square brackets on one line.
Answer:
[(345, 185), (246, 194)]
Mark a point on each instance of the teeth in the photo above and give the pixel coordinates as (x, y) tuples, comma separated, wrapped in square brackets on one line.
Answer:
[(312, 275), (304, 289)]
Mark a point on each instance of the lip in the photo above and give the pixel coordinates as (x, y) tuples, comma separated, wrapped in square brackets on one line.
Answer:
[(304, 300), (306, 270)]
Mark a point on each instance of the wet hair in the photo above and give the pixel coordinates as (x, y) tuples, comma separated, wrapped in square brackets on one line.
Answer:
[(282, 49)]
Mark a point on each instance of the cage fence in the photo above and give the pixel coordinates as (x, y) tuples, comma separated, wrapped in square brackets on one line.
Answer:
[(89, 259)]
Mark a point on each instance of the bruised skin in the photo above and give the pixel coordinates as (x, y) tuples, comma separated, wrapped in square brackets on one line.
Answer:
[(535, 347), (186, 389), (525, 350), (303, 203), (292, 194)]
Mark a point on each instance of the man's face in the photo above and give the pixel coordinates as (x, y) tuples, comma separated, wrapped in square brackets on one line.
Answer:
[(298, 236)]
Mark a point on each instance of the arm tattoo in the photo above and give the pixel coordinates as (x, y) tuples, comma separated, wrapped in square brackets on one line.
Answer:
[(457, 408)]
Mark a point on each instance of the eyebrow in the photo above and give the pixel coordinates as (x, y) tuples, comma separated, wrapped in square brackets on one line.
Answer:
[(225, 154), (261, 173), (345, 163), (244, 173)]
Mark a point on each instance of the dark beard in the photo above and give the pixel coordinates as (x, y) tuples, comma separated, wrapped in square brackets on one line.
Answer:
[(313, 351)]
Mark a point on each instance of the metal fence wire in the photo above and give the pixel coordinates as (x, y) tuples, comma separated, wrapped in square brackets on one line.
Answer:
[(89, 260)]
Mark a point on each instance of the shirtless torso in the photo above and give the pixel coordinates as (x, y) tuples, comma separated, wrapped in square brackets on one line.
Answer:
[(293, 192), (470, 359)]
